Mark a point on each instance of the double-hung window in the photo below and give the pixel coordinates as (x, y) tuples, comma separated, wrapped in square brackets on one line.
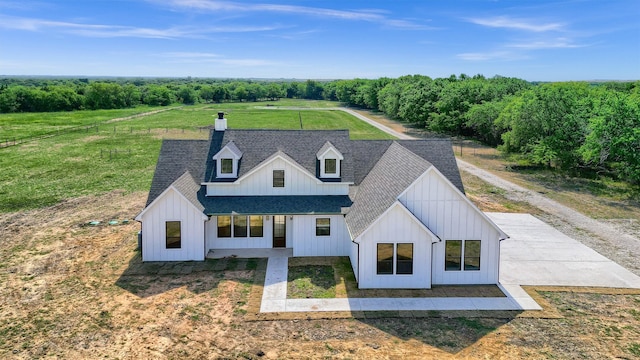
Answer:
[(323, 227), (278, 178)]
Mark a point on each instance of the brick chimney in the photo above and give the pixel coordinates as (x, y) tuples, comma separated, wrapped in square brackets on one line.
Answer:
[(221, 122)]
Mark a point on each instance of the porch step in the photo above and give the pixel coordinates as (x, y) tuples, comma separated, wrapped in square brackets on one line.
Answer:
[(249, 253)]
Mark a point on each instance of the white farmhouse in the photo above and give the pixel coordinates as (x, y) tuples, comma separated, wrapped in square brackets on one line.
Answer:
[(396, 208)]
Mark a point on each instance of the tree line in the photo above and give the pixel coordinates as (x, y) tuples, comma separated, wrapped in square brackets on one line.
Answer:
[(568, 125), (45, 95)]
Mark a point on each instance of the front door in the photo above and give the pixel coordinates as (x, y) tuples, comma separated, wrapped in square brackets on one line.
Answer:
[(279, 231)]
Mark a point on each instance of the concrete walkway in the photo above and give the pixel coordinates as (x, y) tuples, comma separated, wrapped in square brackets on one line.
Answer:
[(535, 254), (274, 298)]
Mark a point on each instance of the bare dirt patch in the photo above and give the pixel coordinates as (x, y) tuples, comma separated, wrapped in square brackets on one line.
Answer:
[(70, 290)]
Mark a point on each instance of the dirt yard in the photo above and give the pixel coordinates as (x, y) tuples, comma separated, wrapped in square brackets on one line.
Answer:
[(71, 290)]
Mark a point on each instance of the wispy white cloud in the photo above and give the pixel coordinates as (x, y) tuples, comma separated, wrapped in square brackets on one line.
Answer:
[(557, 43), (370, 15), (112, 31), (517, 24), (501, 55), (190, 55), (212, 58)]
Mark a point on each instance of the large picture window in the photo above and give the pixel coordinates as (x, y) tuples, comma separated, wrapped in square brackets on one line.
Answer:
[(278, 178), (256, 226), (239, 226), (385, 259), (458, 252), (224, 226), (323, 227), (226, 166), (173, 235)]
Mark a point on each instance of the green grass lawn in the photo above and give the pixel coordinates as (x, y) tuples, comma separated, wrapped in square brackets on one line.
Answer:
[(44, 172), (311, 282), (22, 125)]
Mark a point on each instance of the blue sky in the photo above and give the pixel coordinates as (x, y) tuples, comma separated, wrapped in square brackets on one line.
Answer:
[(307, 39)]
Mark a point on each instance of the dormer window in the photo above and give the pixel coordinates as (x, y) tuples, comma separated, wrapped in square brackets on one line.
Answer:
[(329, 159), (227, 160), (330, 166), (226, 166)]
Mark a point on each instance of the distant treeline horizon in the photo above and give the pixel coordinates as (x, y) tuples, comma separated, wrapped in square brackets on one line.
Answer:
[(574, 126)]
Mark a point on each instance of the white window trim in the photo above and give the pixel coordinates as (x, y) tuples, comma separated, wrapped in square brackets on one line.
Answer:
[(165, 235), (394, 264), (462, 255), (315, 230)]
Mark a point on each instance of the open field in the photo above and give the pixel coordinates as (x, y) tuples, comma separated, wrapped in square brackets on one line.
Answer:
[(70, 290), (21, 125), (123, 155)]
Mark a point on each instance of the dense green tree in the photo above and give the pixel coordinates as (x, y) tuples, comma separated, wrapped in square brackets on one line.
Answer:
[(313, 90), (157, 95), (548, 123), (103, 95), (613, 141), (187, 95)]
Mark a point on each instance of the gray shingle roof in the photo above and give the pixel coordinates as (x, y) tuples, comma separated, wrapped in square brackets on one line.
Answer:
[(438, 152), (392, 174), (189, 188), (300, 145), (176, 157), (381, 169)]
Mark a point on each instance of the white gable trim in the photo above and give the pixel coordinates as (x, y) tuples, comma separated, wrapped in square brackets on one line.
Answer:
[(329, 148), (232, 148), (397, 203), (163, 194), (278, 155), (460, 194)]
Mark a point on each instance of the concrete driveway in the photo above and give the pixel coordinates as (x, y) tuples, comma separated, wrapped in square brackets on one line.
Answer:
[(538, 254)]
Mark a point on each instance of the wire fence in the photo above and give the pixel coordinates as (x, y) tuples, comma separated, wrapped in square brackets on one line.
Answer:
[(14, 141), (21, 140)]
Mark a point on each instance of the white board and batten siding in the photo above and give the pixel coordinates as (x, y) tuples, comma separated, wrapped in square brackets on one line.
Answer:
[(297, 181), (171, 206), (394, 226), (450, 215), (306, 243)]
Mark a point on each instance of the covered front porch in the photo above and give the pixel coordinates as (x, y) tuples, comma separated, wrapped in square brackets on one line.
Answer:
[(249, 253)]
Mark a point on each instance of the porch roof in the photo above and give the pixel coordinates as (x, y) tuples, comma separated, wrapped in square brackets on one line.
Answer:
[(275, 205)]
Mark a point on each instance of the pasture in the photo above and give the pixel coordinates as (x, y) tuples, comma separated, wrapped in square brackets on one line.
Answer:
[(122, 155)]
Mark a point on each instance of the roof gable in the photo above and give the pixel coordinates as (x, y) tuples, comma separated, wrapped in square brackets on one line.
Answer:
[(392, 174), (457, 193), (187, 188), (272, 158), (405, 212), (231, 149)]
